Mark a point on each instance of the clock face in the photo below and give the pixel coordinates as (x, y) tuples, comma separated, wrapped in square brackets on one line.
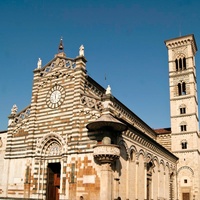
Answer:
[(55, 96)]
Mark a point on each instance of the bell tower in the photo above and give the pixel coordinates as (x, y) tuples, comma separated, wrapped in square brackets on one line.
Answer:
[(184, 114)]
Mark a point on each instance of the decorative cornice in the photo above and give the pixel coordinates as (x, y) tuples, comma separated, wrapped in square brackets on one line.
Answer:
[(173, 74), (182, 97), (149, 143), (182, 41), (187, 151), (184, 115), (90, 85), (185, 133)]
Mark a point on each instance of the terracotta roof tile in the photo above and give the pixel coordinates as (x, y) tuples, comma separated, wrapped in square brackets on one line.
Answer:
[(163, 130)]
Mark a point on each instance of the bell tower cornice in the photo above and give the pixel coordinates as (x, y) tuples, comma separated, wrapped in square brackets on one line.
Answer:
[(182, 41)]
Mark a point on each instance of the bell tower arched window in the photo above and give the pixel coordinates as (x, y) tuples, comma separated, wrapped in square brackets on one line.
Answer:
[(180, 64), (181, 88), (182, 109), (184, 144), (183, 126)]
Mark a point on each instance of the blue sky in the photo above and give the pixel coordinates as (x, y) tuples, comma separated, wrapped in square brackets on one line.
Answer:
[(123, 40)]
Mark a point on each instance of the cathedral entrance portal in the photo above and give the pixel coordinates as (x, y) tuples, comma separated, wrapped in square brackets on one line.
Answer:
[(53, 181)]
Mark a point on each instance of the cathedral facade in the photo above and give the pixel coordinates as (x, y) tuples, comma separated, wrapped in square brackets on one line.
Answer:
[(76, 141)]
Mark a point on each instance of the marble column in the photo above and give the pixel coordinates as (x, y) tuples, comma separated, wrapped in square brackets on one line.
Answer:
[(106, 180)]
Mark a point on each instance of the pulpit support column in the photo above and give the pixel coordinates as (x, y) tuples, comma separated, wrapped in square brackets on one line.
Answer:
[(106, 181)]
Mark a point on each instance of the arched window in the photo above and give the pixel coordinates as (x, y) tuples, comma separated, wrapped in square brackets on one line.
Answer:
[(132, 156), (183, 126), (182, 109), (176, 61), (184, 144), (180, 63), (181, 88)]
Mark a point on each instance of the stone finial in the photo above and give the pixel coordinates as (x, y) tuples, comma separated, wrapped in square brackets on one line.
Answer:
[(108, 90), (39, 63), (81, 50), (14, 110)]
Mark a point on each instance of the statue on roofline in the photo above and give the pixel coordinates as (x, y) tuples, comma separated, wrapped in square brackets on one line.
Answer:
[(108, 90), (14, 110), (81, 50), (39, 64)]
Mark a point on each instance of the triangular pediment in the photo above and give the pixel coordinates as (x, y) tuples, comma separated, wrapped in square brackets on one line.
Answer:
[(60, 61)]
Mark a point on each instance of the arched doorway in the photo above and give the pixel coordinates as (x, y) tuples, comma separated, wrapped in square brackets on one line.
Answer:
[(50, 162), (53, 181), (52, 151)]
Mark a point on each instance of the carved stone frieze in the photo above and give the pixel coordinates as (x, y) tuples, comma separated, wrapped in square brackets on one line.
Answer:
[(61, 62), (92, 107), (53, 150), (91, 103), (21, 129), (93, 114), (20, 132), (20, 118), (106, 153), (56, 74), (48, 77), (180, 52)]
